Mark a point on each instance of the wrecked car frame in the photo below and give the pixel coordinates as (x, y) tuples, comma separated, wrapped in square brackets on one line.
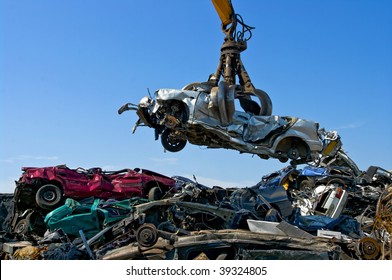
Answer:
[(261, 222), (207, 117), (42, 189)]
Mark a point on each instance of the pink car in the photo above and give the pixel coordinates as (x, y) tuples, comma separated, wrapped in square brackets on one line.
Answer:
[(46, 186)]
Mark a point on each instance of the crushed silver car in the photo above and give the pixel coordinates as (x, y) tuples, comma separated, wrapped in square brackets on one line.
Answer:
[(207, 116)]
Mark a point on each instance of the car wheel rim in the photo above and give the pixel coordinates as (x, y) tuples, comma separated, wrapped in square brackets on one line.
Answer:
[(147, 235), (21, 228), (49, 196)]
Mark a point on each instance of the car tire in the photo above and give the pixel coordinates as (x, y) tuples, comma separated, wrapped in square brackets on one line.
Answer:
[(170, 143), (147, 235), (283, 159), (22, 227), (48, 196), (155, 193)]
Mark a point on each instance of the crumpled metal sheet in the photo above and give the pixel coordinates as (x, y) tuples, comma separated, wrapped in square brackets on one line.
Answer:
[(133, 251), (278, 254), (252, 128), (245, 241), (383, 218), (259, 127), (382, 228), (232, 244)]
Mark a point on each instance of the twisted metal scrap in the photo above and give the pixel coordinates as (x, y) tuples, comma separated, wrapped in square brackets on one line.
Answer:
[(29, 253), (383, 220)]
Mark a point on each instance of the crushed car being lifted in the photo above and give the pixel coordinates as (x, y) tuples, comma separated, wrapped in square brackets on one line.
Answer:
[(207, 117)]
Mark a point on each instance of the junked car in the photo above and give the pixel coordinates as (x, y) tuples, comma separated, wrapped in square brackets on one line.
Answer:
[(89, 215), (332, 191), (207, 117), (42, 189)]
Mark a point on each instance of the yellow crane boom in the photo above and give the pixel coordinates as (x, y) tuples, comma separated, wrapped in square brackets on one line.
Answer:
[(225, 11)]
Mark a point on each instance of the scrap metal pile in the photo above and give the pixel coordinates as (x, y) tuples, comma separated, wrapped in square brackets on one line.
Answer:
[(321, 206), (317, 212)]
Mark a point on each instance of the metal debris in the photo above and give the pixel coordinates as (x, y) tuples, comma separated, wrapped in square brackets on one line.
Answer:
[(317, 212)]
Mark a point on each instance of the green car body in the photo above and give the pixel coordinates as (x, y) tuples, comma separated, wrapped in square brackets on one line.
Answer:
[(90, 215)]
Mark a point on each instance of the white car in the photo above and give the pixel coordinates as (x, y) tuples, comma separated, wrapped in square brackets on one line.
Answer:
[(208, 117)]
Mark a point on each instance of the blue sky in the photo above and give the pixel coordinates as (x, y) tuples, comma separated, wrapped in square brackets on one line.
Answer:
[(66, 66)]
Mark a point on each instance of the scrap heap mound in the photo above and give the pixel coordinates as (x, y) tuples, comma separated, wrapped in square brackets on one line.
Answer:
[(315, 212)]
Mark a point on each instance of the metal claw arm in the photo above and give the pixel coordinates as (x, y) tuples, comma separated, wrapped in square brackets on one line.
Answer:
[(230, 64)]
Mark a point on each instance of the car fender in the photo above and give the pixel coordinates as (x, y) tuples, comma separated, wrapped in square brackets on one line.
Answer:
[(187, 97), (308, 136)]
